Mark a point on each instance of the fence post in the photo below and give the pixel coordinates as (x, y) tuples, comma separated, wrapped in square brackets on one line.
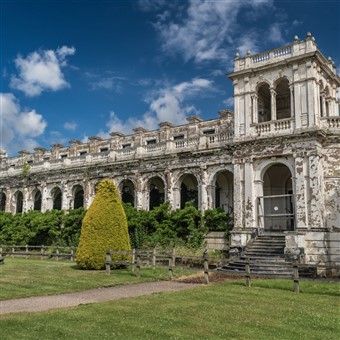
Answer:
[(72, 254), (108, 262), (42, 252), (206, 270), (174, 257), (13, 251), (296, 278), (138, 264), (170, 268), (57, 253), (248, 273), (26, 251), (154, 258), (133, 260)]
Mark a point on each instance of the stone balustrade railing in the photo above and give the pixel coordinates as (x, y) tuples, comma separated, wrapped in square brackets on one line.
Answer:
[(330, 122), (276, 126)]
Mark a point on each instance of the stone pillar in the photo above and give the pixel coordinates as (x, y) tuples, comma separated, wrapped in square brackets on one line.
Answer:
[(44, 198), (238, 196), (249, 199), (292, 109), (169, 194), (27, 203), (301, 194), (9, 198), (316, 202), (66, 201), (138, 192), (273, 103), (211, 191), (204, 194), (323, 105), (255, 108)]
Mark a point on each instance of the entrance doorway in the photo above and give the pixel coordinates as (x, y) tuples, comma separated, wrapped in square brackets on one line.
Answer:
[(276, 206)]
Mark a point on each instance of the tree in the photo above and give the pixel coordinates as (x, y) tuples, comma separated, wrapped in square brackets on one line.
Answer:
[(104, 227)]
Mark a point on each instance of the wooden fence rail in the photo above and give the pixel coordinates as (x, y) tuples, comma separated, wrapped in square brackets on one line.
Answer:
[(140, 258), (42, 251)]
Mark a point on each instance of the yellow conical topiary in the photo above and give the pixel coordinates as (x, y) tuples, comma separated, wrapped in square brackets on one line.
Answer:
[(104, 227)]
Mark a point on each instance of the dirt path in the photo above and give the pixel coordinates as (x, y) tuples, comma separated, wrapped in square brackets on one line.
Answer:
[(43, 303)]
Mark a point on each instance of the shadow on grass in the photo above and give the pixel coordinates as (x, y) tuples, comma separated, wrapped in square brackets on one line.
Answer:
[(306, 286)]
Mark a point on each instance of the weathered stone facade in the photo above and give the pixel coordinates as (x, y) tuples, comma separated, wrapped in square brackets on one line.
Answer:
[(274, 163)]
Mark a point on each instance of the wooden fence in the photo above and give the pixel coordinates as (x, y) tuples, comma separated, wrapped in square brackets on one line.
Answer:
[(42, 251), (138, 259)]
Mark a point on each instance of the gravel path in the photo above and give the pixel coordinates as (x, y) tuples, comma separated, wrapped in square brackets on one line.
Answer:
[(43, 303)]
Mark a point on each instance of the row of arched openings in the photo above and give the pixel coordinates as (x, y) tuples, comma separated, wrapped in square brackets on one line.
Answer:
[(282, 100)]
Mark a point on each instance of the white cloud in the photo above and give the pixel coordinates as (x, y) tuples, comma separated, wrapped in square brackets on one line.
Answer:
[(41, 71), (229, 102), (70, 126), (275, 34), (106, 81), (205, 29), (168, 105), (18, 128), (150, 5)]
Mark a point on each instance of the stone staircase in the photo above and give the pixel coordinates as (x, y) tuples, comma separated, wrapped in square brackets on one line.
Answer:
[(265, 255)]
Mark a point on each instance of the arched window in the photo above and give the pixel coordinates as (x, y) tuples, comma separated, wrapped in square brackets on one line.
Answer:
[(3, 202), (57, 198), (78, 197), (264, 103), (19, 202), (37, 201), (283, 109)]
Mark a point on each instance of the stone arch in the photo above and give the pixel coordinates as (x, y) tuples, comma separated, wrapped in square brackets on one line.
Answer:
[(263, 101), (57, 198), (156, 188), (37, 199), (19, 202), (276, 203), (188, 188), (283, 98), (3, 202), (127, 189), (78, 196), (222, 183)]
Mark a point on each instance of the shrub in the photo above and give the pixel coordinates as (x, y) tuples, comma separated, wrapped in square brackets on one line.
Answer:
[(217, 220), (104, 227)]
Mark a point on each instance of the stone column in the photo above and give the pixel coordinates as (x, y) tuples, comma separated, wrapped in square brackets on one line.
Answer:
[(204, 194), (301, 194), (238, 196), (169, 194), (211, 196), (9, 198), (292, 110), (138, 192), (44, 198), (255, 108), (66, 201), (26, 204), (316, 202), (249, 200), (273, 103)]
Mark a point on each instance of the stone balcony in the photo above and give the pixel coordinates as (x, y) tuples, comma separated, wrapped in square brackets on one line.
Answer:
[(273, 127), (13, 166)]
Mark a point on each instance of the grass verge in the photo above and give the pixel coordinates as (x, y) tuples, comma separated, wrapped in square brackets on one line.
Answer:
[(228, 310), (27, 277)]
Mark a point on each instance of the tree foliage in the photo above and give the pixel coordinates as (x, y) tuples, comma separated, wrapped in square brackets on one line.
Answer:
[(104, 227)]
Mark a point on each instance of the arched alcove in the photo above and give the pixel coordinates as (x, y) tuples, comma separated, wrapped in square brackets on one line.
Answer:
[(37, 200), (78, 196), (127, 190), (224, 191), (56, 198), (3, 202), (156, 192), (19, 202), (189, 190)]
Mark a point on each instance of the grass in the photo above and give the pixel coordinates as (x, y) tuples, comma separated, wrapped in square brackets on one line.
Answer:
[(30, 277), (229, 310)]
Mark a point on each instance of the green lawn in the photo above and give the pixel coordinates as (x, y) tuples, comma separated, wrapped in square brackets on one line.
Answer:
[(27, 277), (267, 310)]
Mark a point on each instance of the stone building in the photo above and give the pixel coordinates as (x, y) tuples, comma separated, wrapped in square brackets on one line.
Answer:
[(273, 163)]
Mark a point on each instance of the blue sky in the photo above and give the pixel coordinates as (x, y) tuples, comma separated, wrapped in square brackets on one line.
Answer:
[(71, 69)]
